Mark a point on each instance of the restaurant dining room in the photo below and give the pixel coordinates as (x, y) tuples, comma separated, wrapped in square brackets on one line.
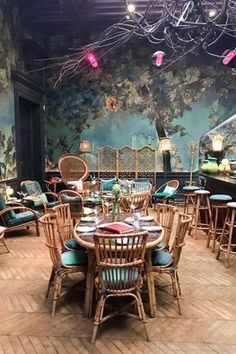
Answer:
[(117, 176)]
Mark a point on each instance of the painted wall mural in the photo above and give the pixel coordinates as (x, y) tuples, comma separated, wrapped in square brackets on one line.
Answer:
[(127, 101), (9, 45)]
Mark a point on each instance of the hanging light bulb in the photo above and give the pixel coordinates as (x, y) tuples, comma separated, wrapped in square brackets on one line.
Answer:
[(91, 59), (158, 58)]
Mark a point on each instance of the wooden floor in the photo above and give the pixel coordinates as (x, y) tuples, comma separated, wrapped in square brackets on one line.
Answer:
[(208, 323)]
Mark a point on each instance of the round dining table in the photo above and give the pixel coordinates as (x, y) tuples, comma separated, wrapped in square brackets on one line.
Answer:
[(85, 239)]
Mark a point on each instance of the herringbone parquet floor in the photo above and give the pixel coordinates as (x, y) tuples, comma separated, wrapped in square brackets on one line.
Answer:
[(207, 325)]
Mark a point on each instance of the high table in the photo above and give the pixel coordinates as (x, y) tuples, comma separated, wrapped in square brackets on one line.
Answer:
[(86, 240)]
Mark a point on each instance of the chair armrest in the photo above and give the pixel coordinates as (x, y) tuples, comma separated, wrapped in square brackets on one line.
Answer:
[(14, 208), (54, 195)]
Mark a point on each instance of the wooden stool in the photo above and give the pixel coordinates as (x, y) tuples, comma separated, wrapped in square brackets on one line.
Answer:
[(228, 248), (189, 198), (2, 238), (218, 208), (202, 209)]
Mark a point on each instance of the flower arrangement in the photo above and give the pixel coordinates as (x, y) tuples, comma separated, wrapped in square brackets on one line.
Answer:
[(116, 189)]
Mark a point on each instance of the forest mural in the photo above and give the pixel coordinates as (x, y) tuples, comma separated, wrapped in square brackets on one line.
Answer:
[(10, 57), (128, 101)]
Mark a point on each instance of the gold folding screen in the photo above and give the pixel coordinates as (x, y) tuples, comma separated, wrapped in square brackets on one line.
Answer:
[(127, 162)]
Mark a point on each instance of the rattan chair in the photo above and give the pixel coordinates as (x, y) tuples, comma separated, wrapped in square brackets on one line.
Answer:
[(165, 214), (73, 170), (135, 202), (119, 261), (64, 224), (16, 217), (167, 263), (166, 192), (37, 199), (75, 200), (64, 263)]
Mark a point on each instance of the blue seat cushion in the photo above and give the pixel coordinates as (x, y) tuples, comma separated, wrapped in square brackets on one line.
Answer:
[(73, 244), (107, 184), (71, 258), (119, 275), (21, 218), (220, 197), (161, 258)]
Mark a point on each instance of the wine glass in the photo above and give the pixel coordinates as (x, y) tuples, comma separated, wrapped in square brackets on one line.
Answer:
[(96, 219)]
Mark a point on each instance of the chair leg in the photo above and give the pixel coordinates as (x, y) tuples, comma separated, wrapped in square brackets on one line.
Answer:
[(49, 283), (176, 289), (37, 228), (142, 314), (98, 317), (178, 283), (56, 293), (151, 294)]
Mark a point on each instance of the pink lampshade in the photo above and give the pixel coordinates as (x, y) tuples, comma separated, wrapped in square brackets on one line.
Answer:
[(158, 57)]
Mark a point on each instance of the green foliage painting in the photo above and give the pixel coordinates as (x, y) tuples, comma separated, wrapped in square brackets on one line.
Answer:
[(10, 57), (128, 101)]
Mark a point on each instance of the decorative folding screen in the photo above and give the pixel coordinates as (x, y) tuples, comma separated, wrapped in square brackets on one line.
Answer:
[(127, 162)]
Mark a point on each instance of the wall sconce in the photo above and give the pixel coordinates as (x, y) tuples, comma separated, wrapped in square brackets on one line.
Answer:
[(217, 142), (85, 146), (165, 145)]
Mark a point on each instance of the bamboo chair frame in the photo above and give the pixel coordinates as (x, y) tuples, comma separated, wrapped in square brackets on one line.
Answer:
[(165, 214), (59, 270), (120, 266), (140, 200), (183, 225), (72, 168), (77, 203), (19, 226), (64, 224)]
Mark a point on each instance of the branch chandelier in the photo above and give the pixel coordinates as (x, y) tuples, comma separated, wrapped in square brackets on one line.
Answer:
[(182, 26)]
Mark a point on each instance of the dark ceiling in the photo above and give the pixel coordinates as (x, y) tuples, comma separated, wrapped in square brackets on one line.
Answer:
[(74, 16)]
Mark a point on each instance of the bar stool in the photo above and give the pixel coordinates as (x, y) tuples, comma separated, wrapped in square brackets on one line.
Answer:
[(228, 248), (189, 198), (202, 212), (2, 238), (218, 208)]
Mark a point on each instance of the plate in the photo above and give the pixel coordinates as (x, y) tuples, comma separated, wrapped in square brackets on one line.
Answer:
[(146, 218), (129, 220), (86, 228), (88, 219), (154, 228)]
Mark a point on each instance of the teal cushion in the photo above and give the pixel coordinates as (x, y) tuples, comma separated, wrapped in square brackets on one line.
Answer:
[(163, 195), (10, 215), (31, 188), (160, 246), (220, 197), (107, 184), (21, 218), (52, 204), (71, 258), (118, 275), (160, 258), (74, 245)]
